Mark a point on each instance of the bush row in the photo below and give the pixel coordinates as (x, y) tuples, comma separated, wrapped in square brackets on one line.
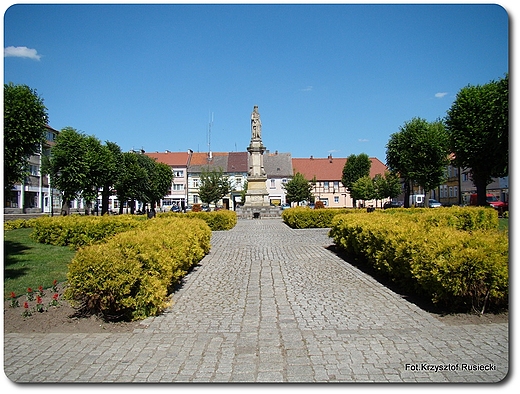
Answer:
[(130, 275), (462, 218), (216, 220), (78, 230), (305, 217), (457, 269), (19, 223)]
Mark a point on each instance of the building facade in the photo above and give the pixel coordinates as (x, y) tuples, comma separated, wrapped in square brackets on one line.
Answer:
[(34, 194), (325, 175)]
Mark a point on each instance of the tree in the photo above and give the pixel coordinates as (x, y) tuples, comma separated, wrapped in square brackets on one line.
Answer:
[(387, 186), (113, 164), (213, 186), (25, 118), (419, 152), (95, 160), (66, 166), (356, 167), (478, 129), (130, 180), (363, 189), (161, 182), (298, 189)]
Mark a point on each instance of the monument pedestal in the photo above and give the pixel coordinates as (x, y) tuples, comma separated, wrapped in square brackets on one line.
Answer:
[(257, 204)]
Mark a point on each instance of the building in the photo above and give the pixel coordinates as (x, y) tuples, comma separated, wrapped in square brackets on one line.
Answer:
[(325, 175), (279, 170), (34, 194), (178, 162)]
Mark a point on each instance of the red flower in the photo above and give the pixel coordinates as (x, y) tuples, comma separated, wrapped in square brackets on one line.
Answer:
[(54, 282), (26, 305), (55, 296), (29, 290), (13, 295), (40, 289), (38, 300)]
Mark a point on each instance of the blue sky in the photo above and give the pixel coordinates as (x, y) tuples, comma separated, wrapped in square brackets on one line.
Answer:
[(336, 79)]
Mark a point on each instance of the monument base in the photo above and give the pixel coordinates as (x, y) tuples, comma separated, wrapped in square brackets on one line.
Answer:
[(251, 212)]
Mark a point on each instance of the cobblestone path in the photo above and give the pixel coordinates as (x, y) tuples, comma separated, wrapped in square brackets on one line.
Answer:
[(271, 304)]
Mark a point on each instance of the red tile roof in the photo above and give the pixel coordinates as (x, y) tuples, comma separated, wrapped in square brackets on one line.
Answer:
[(201, 158), (170, 158), (330, 169)]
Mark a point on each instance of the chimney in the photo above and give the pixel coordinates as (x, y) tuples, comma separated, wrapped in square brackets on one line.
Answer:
[(330, 158), (312, 157)]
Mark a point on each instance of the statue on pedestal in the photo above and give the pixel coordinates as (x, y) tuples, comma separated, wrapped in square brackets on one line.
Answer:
[(256, 124)]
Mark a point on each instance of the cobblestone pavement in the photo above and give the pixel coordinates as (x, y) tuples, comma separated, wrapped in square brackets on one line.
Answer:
[(271, 304)]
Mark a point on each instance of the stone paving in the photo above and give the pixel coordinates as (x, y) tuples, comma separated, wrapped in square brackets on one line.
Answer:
[(271, 304)]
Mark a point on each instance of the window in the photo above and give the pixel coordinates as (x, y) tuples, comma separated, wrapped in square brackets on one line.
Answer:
[(178, 173), (336, 185), (34, 170), (273, 184), (455, 191), (178, 187), (451, 191), (336, 199), (284, 181), (326, 184), (195, 182)]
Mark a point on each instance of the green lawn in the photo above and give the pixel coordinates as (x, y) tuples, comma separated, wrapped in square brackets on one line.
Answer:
[(31, 264), (503, 224)]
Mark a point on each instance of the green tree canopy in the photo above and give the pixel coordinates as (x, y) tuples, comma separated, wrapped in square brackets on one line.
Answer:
[(25, 118), (356, 167), (387, 186), (478, 129), (66, 166), (213, 185), (419, 153), (298, 189), (363, 189)]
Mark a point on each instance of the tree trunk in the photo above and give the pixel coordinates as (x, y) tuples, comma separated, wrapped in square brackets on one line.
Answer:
[(105, 197), (407, 194), (65, 209), (481, 185)]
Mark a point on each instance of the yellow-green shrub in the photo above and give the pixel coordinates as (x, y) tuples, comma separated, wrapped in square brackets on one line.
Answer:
[(305, 217), (455, 268), (19, 223), (78, 230), (216, 220), (129, 276)]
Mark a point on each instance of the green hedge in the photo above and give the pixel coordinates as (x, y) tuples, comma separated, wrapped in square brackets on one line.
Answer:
[(457, 269), (19, 223), (305, 217), (78, 230), (130, 275), (216, 220), (462, 218)]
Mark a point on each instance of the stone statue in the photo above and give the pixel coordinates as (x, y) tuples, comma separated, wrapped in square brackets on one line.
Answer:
[(256, 125)]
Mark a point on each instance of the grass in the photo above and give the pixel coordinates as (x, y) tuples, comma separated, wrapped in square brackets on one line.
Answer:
[(503, 224), (31, 264)]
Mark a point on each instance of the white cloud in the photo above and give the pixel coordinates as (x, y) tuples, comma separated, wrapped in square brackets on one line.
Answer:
[(333, 151), (21, 52), (362, 140), (306, 89), (440, 94)]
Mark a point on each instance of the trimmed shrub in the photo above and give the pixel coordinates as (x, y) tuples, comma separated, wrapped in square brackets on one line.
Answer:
[(78, 230), (216, 220), (305, 217), (455, 268), (19, 223), (130, 275), (319, 205)]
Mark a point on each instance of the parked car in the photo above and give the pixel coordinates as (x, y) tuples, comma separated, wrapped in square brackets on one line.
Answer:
[(175, 208), (432, 203), (492, 200), (393, 204), (285, 206)]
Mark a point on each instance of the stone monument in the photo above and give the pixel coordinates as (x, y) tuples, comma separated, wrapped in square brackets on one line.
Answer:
[(257, 202)]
